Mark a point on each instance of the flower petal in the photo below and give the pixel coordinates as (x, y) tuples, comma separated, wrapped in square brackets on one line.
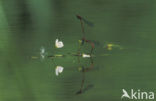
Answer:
[(59, 44), (59, 69)]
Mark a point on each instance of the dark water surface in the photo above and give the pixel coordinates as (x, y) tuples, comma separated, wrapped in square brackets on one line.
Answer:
[(28, 25)]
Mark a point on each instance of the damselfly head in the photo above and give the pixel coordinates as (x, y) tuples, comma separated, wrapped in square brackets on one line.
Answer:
[(79, 17), (85, 21)]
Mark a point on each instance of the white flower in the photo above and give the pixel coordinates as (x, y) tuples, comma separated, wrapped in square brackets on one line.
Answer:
[(59, 44), (59, 69), (85, 55), (42, 52)]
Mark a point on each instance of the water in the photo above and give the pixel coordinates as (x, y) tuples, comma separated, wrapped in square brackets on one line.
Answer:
[(29, 25)]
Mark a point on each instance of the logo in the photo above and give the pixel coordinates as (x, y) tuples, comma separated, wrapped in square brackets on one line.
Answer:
[(137, 94)]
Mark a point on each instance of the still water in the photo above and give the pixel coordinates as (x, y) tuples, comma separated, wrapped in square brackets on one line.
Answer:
[(28, 25)]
